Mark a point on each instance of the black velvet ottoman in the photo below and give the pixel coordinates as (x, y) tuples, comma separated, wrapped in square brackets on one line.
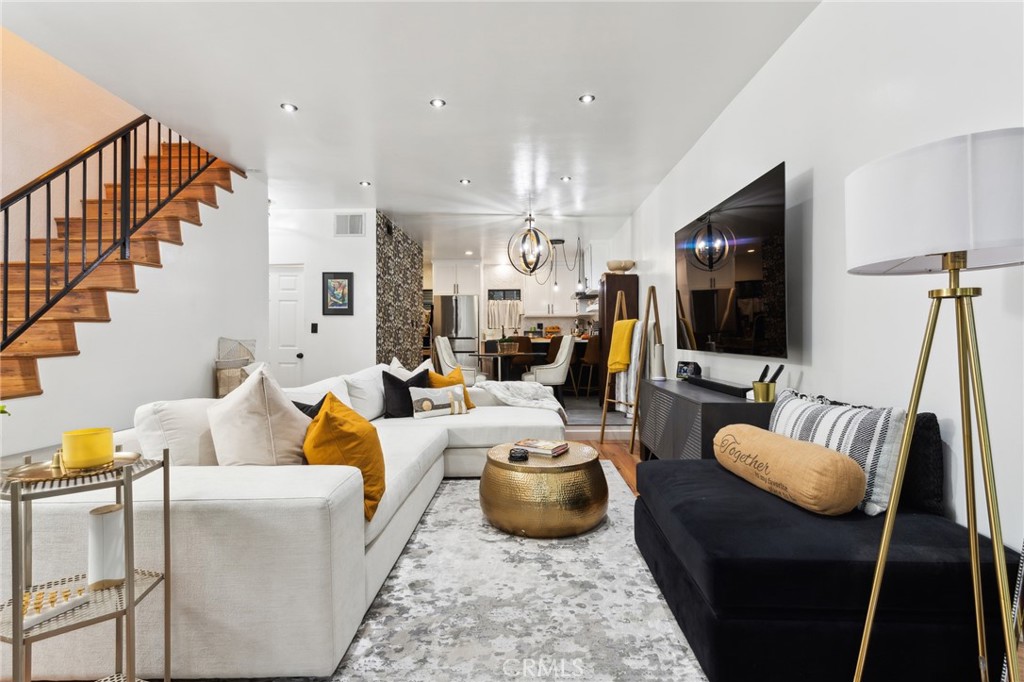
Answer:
[(764, 590)]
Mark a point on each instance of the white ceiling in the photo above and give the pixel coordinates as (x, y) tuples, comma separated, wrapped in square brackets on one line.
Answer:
[(362, 75)]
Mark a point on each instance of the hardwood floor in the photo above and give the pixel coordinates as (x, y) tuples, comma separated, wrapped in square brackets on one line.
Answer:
[(617, 452)]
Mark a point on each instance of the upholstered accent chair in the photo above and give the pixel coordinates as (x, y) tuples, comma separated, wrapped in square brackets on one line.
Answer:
[(555, 373), (446, 361)]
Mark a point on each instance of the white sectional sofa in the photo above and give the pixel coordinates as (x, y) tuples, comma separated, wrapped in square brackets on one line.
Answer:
[(273, 568)]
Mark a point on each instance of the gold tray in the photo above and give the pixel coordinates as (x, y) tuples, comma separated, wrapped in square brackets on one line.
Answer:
[(37, 472)]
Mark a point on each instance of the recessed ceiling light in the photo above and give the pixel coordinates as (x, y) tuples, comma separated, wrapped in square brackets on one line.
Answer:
[(289, 107), (437, 103), (365, 183), (751, 250), (469, 253), (566, 178), (465, 181), (587, 98)]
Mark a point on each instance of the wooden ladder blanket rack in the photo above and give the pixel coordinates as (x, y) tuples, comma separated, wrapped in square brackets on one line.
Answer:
[(620, 314), (651, 303)]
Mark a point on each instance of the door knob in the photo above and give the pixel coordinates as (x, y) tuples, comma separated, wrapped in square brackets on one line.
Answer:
[(299, 355)]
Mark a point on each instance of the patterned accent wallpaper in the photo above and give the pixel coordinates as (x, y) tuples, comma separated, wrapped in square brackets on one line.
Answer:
[(399, 294)]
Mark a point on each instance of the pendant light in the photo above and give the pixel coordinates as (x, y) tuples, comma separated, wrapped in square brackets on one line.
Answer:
[(529, 249), (555, 243)]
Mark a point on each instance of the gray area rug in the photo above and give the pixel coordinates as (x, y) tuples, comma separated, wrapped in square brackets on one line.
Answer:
[(468, 602)]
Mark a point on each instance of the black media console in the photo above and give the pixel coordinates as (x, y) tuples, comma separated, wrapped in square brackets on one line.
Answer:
[(679, 420)]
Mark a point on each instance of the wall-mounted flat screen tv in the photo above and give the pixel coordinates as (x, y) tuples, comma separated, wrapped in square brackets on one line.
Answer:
[(731, 273)]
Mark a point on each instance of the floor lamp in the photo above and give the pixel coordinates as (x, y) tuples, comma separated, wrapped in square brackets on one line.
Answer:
[(953, 205)]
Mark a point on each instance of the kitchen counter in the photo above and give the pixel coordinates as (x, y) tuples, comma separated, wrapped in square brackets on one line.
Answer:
[(541, 339)]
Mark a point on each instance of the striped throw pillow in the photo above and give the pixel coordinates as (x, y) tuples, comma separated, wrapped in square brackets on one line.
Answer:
[(869, 436)]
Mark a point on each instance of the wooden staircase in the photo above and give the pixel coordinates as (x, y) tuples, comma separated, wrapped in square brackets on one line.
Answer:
[(53, 335)]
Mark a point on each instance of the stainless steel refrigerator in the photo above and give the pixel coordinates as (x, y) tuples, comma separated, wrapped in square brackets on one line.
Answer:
[(457, 318)]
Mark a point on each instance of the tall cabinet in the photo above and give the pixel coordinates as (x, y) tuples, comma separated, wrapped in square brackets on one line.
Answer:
[(611, 285)]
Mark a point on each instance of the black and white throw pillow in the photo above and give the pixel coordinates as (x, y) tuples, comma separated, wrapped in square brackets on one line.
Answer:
[(869, 436), (437, 402)]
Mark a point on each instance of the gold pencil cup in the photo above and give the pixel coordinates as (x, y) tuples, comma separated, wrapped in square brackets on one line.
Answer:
[(764, 392)]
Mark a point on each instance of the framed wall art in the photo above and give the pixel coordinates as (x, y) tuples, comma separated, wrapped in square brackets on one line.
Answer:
[(337, 293)]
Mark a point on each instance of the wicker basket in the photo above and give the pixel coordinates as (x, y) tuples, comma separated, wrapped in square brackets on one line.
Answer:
[(507, 346)]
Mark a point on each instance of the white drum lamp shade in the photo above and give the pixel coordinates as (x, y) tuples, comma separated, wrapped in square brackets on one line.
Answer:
[(960, 194)]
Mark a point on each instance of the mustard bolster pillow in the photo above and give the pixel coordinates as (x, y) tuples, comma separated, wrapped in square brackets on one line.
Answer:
[(808, 475)]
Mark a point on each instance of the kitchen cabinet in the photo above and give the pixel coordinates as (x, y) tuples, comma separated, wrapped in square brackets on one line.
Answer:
[(456, 277), (542, 299), (537, 297)]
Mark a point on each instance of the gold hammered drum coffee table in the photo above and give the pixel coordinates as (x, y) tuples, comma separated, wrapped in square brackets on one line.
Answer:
[(544, 497)]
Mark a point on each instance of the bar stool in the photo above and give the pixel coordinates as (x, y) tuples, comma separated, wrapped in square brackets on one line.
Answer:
[(591, 359), (521, 363)]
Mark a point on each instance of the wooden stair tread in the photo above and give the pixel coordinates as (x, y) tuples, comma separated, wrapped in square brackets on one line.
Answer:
[(7, 353), (19, 377), (164, 229), (47, 337), (171, 161), (204, 194), (107, 275), (217, 177), (144, 251)]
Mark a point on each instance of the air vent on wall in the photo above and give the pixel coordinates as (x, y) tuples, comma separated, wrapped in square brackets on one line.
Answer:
[(349, 225)]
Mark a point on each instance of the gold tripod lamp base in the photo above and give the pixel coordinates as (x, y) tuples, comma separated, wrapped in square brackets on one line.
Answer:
[(972, 393)]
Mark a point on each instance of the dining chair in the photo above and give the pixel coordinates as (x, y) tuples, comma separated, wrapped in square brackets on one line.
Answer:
[(446, 361), (521, 363), (591, 359), (555, 373)]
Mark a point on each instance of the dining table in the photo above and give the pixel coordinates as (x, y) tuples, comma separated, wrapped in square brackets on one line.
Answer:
[(502, 358)]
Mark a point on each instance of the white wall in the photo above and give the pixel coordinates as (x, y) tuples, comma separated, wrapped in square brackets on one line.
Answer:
[(38, 92), (345, 343), (853, 83), (162, 341)]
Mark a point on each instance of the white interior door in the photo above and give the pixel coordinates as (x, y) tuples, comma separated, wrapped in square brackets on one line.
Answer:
[(286, 323)]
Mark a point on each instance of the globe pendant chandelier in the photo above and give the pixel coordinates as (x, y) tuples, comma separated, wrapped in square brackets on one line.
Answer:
[(710, 247), (529, 249)]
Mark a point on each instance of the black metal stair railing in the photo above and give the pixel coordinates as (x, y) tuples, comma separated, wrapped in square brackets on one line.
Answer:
[(132, 203)]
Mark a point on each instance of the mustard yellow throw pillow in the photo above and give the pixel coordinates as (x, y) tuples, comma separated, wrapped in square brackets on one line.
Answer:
[(340, 435), (452, 378), (808, 475)]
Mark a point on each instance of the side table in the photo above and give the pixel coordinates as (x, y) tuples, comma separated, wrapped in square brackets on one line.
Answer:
[(544, 497), (118, 602)]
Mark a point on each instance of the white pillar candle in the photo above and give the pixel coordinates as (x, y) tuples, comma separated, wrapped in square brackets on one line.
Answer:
[(106, 546)]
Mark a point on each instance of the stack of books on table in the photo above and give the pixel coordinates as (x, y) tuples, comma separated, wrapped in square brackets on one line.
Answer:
[(548, 448)]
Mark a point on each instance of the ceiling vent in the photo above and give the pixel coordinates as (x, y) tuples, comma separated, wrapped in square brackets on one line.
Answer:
[(349, 225)]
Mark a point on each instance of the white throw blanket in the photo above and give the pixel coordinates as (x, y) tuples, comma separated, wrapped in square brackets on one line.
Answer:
[(524, 394)]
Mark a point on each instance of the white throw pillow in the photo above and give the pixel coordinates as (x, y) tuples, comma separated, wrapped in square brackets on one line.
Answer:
[(257, 424), (366, 391), (437, 402), (404, 374), (180, 426), (311, 394)]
